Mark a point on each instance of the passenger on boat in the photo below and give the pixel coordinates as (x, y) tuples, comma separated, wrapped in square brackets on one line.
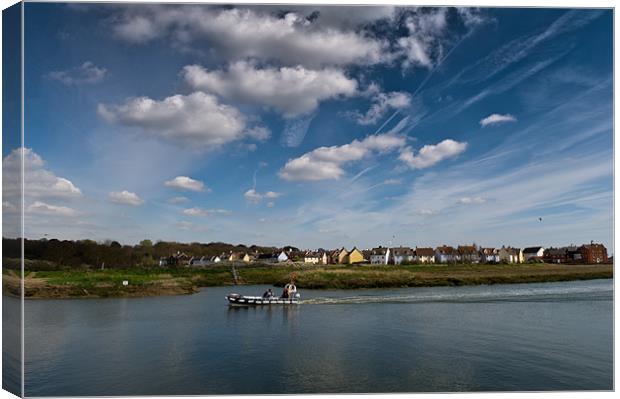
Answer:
[(268, 294), (285, 292), (292, 290)]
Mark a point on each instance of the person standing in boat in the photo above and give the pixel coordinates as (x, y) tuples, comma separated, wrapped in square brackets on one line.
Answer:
[(285, 291), (291, 290)]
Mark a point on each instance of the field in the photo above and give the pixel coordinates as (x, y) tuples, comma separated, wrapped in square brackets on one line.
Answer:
[(183, 280)]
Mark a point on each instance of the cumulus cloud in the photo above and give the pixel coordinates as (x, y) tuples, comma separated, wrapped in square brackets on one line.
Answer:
[(471, 200), (382, 103), (431, 154), (87, 73), (251, 33), (185, 183), (125, 197), (291, 91), (42, 208), (254, 197), (38, 182), (197, 119), (200, 212), (327, 162), (495, 119)]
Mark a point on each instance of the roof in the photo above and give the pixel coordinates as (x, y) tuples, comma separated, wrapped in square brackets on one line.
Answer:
[(487, 251), (377, 251), (424, 252), (531, 250), (556, 251), (444, 249), (402, 251), (266, 256), (467, 249)]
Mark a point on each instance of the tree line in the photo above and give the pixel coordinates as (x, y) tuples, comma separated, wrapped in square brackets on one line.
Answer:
[(67, 254)]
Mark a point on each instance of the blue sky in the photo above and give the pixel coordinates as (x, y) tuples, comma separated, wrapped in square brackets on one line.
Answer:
[(318, 126)]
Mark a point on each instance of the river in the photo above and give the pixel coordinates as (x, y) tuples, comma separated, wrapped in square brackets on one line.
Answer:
[(524, 337)]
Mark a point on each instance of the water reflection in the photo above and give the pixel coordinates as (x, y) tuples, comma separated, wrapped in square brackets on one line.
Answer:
[(199, 345)]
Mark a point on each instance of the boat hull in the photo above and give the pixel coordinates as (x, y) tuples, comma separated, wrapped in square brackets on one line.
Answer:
[(241, 300)]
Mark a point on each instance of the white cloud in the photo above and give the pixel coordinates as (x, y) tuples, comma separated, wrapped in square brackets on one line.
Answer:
[(254, 197), (327, 162), (426, 212), (381, 103), (423, 45), (272, 194), (87, 73), (271, 204), (178, 200), (197, 119), (292, 91), (431, 154), (246, 33), (125, 197), (495, 119), (38, 182), (185, 183), (471, 200), (197, 211), (42, 208)]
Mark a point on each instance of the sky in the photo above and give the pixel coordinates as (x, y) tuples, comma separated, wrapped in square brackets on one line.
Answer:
[(316, 126)]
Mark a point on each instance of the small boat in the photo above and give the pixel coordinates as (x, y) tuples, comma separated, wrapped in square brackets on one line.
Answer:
[(243, 300)]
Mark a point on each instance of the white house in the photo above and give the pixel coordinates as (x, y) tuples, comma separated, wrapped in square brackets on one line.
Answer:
[(532, 253), (379, 256), (283, 257), (424, 255), (402, 255), (446, 254), (312, 257), (489, 255), (216, 259)]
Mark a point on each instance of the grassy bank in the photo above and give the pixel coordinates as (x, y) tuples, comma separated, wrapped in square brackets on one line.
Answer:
[(173, 281)]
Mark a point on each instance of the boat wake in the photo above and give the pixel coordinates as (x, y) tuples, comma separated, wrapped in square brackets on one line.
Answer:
[(538, 294)]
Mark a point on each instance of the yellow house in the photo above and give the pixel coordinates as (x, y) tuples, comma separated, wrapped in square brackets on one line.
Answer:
[(248, 258), (343, 256), (355, 256)]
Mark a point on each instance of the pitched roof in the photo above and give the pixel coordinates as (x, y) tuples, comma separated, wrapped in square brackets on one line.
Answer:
[(424, 252), (467, 249), (400, 251), (531, 250), (378, 251), (444, 249)]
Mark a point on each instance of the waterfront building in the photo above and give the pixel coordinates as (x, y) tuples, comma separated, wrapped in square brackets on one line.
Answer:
[(402, 255), (379, 256), (355, 256), (533, 253), (424, 255)]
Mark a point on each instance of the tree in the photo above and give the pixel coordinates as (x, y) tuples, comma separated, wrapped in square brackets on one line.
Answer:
[(146, 243)]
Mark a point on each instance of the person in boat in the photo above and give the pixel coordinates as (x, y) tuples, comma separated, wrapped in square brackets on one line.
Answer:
[(285, 291), (292, 290), (268, 294)]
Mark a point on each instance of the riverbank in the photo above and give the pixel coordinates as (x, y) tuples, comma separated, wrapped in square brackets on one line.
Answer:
[(171, 281)]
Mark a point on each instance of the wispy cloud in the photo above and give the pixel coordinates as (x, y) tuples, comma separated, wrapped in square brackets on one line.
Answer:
[(495, 119), (201, 212), (87, 73)]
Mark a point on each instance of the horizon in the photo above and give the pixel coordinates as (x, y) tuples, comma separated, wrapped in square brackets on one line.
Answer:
[(387, 124)]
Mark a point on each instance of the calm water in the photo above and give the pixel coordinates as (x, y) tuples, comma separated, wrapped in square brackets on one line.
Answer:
[(553, 336)]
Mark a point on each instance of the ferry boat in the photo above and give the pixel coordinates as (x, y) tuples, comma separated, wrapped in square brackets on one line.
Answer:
[(243, 300)]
